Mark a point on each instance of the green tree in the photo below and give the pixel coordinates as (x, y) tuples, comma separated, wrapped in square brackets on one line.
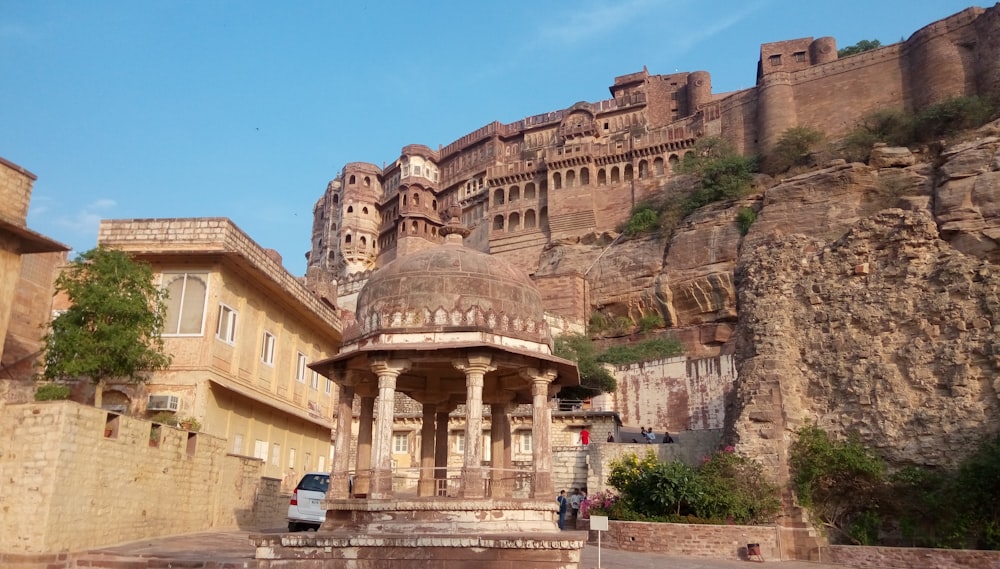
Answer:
[(794, 148), (594, 378), (860, 47), (112, 327)]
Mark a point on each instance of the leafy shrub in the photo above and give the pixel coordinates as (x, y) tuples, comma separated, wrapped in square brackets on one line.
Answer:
[(52, 392), (165, 418), (745, 217), (650, 321), (860, 47), (652, 349), (726, 488), (891, 126), (794, 148), (951, 116), (644, 219)]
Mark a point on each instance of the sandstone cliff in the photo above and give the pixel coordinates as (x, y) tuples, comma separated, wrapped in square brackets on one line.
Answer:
[(865, 297)]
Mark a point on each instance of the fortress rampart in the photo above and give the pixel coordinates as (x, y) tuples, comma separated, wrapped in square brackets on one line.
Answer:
[(564, 173)]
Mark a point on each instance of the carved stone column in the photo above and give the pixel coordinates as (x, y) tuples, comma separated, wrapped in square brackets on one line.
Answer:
[(541, 432), (475, 368), (362, 478), (340, 469), (441, 447), (501, 476), (427, 448), (387, 372)]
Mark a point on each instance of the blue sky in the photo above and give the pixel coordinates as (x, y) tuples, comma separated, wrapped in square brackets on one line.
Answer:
[(246, 109)]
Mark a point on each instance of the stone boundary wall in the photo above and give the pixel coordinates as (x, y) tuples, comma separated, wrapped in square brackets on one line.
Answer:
[(864, 557), (718, 542), (689, 447), (69, 485)]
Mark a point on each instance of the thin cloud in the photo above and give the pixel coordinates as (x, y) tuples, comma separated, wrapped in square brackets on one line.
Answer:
[(684, 42), (87, 219), (592, 22)]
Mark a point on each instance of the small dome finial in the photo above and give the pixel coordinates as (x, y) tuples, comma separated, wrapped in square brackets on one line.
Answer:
[(454, 224)]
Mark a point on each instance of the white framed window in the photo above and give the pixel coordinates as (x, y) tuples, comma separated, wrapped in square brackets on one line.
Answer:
[(329, 386), (238, 443), (400, 443), (260, 449), (275, 454), (187, 295), (308, 462), (460, 442), (267, 348), (525, 441), (322, 463), (291, 457), (314, 380), (300, 368), (226, 328)]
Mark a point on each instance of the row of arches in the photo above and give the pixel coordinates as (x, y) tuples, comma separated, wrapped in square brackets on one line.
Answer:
[(515, 221), (615, 175), (513, 194)]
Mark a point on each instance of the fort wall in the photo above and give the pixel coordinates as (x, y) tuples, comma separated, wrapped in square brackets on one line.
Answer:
[(67, 465)]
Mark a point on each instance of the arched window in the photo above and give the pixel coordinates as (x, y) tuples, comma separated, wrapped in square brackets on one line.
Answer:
[(336, 198), (413, 227), (351, 180), (529, 219), (529, 191), (363, 241), (658, 166), (364, 210), (434, 204), (416, 199), (350, 209), (570, 178), (556, 181), (498, 223), (347, 239), (404, 200), (602, 177), (674, 162), (368, 181), (584, 176), (514, 194), (515, 222), (498, 197), (628, 172), (643, 170), (615, 177)]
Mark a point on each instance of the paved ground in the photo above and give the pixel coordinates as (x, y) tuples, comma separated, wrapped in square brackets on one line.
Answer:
[(232, 550)]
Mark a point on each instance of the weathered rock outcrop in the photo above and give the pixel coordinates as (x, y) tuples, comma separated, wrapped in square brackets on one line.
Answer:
[(889, 332)]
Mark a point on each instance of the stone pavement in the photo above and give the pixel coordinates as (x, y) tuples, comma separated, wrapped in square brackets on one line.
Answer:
[(232, 550)]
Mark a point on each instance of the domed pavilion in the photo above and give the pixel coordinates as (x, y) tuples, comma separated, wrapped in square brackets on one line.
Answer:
[(447, 326)]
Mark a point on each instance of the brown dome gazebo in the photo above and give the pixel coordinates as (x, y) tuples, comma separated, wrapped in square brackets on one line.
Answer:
[(445, 326)]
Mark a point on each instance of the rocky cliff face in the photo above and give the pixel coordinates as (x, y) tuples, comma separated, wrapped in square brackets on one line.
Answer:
[(865, 298)]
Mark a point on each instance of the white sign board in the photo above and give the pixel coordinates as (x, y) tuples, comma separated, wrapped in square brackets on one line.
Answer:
[(599, 523)]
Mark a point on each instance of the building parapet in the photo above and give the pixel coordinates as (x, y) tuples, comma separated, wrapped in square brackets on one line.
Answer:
[(208, 236)]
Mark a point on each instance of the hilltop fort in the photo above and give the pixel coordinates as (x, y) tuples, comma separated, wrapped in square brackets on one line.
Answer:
[(570, 172)]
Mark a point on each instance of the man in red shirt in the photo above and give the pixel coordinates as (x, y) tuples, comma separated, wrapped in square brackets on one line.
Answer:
[(585, 437)]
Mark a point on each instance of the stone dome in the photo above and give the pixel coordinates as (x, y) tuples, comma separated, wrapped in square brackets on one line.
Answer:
[(451, 288)]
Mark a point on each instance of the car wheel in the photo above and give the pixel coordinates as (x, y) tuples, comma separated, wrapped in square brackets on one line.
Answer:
[(292, 526)]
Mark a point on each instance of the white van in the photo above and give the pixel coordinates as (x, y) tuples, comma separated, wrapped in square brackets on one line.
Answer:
[(305, 509)]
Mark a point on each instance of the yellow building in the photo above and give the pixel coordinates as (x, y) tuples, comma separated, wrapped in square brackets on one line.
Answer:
[(28, 262), (241, 330)]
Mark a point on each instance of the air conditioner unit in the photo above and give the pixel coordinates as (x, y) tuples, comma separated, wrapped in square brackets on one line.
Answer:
[(163, 403)]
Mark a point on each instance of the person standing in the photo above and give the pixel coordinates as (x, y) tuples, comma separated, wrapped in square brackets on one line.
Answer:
[(611, 438), (667, 439), (574, 504), (585, 437), (563, 502)]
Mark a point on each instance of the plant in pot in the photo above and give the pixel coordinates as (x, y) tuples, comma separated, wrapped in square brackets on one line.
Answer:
[(190, 424)]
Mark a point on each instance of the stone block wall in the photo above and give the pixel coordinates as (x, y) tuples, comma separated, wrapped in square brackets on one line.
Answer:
[(78, 477), (15, 192), (719, 542), (905, 557), (689, 447)]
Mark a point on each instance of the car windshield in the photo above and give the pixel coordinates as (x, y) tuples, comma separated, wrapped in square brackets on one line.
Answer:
[(315, 482)]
